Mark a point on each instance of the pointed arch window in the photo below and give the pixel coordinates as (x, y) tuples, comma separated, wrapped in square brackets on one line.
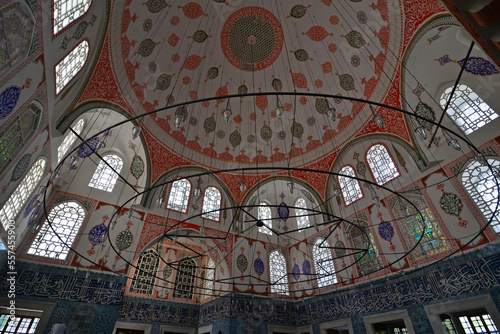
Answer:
[(69, 140), (66, 219), (381, 164), (361, 238), (68, 68), (351, 191), (433, 241), (184, 280), (482, 187), (265, 216), (210, 277), (145, 272), (67, 11), (105, 177), (323, 263), (278, 273), (22, 193), (467, 109), (179, 195), (302, 214), (211, 203)]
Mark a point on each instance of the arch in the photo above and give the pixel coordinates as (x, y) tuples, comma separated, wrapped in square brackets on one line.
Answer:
[(265, 215), (104, 177), (22, 193), (68, 11), (467, 110), (481, 185), (350, 188), (301, 214), (278, 273), (70, 139), (323, 263), (356, 236), (178, 198), (18, 134), (381, 164), (212, 200), (66, 219), (184, 280), (145, 271), (70, 65)]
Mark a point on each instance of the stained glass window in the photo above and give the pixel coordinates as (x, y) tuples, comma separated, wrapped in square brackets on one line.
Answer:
[(211, 202), (145, 272), (69, 140), (179, 195), (381, 164), (21, 194), (67, 11), (104, 177), (265, 216), (184, 280), (20, 324), (361, 238), (66, 219), (278, 273), (210, 277), (323, 263), (67, 68), (302, 214), (467, 109), (433, 241), (17, 135), (481, 186), (351, 191)]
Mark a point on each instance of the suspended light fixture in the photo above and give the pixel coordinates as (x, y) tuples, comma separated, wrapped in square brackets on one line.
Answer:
[(331, 112), (197, 191), (291, 186), (279, 108), (481, 159), (178, 121), (100, 145), (227, 112), (113, 224), (420, 130), (159, 202), (73, 161), (136, 130), (377, 118), (455, 144), (55, 175), (243, 187)]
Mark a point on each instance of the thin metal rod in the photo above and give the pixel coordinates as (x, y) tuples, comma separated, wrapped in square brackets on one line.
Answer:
[(452, 92)]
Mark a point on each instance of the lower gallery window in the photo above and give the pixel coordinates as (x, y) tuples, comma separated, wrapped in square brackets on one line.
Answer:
[(323, 263), (144, 275), (184, 281), (19, 324), (105, 177), (470, 322), (278, 273), (66, 219)]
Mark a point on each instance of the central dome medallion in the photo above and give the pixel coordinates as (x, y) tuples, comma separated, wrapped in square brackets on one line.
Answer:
[(252, 39)]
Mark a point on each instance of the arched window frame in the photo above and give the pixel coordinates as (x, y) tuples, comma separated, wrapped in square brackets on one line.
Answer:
[(278, 273), (477, 186), (323, 255), (354, 194), (472, 105), (20, 196), (371, 261), (145, 273), (70, 139), (78, 10), (265, 208), (75, 61), (185, 279), (104, 178), (186, 194), (211, 204), (385, 175), (58, 216), (302, 215)]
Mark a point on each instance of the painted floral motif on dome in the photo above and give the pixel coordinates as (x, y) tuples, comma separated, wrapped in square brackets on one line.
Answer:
[(155, 6), (347, 82), (258, 266), (355, 39), (301, 55), (296, 272), (163, 82), (386, 231), (283, 211), (242, 262), (193, 121), (425, 111), (355, 61), (306, 267), (167, 271), (21, 167), (235, 138), (152, 67), (311, 121), (212, 73), (317, 33), (124, 240), (321, 106), (137, 167), (97, 234), (282, 135), (209, 125), (362, 18), (242, 89), (87, 149), (277, 85), (298, 11), (147, 25), (200, 36), (479, 66), (251, 139), (266, 133), (221, 134), (361, 168), (297, 130), (192, 10), (146, 48), (451, 204), (8, 100), (252, 39)]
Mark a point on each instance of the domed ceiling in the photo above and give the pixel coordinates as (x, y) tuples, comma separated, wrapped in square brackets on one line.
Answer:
[(190, 51)]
